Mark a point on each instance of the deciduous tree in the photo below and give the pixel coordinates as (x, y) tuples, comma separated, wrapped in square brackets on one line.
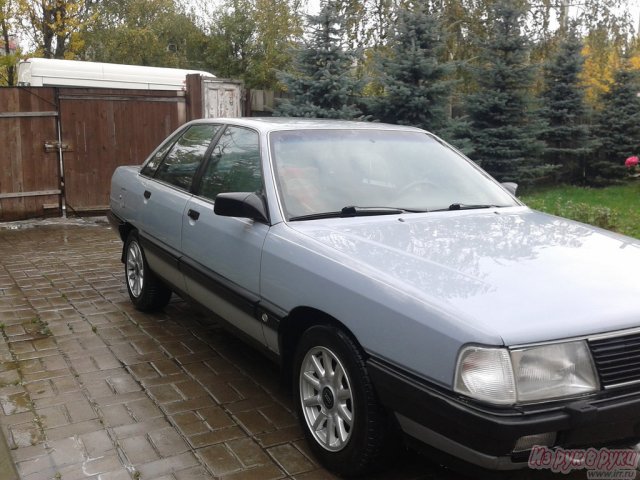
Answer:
[(278, 25), (607, 28), (231, 40), (144, 32), (9, 53), (251, 40), (53, 26)]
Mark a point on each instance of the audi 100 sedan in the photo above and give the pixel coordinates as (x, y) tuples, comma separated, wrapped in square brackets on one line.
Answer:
[(399, 286)]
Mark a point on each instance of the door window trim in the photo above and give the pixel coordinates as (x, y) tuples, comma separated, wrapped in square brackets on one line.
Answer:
[(197, 187), (205, 157)]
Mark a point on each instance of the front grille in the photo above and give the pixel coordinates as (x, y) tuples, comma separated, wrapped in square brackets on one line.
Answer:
[(617, 359)]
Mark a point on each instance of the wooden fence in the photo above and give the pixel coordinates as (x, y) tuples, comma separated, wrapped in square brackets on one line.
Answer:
[(60, 146), (103, 129), (29, 172)]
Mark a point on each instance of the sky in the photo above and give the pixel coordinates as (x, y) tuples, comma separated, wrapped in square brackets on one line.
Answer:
[(634, 9)]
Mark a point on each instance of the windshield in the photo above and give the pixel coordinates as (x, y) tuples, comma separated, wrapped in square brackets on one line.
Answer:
[(323, 171)]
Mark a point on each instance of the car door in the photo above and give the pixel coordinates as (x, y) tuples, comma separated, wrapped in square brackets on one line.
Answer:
[(222, 254), (166, 183)]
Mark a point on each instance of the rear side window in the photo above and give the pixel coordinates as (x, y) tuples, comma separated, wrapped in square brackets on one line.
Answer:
[(181, 163), (234, 165)]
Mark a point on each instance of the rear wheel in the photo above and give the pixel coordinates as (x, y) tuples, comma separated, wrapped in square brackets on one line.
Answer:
[(335, 401), (146, 290)]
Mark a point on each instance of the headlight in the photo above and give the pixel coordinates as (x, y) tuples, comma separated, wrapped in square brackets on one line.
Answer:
[(553, 371), (530, 374)]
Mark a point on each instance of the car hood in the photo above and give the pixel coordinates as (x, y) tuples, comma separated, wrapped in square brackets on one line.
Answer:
[(512, 272)]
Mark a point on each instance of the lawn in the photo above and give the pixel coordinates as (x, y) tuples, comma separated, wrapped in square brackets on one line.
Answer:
[(615, 208)]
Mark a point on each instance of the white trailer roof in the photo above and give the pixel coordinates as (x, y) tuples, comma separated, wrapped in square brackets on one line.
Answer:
[(73, 73)]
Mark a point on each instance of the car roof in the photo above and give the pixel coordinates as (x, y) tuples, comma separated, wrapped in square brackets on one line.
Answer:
[(268, 124)]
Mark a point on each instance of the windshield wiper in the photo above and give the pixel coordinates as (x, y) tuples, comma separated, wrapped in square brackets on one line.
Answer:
[(467, 206), (353, 211)]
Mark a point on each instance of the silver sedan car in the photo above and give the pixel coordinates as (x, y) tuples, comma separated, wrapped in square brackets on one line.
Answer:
[(403, 290)]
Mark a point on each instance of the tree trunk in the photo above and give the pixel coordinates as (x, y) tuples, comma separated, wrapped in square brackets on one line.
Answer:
[(11, 70)]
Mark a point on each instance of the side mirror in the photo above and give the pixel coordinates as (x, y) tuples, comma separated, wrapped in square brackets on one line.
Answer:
[(511, 187), (241, 204)]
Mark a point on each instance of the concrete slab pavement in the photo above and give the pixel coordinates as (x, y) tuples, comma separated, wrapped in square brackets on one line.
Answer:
[(92, 388)]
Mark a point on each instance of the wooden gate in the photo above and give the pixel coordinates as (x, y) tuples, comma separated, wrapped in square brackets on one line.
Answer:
[(29, 157), (103, 129), (60, 146)]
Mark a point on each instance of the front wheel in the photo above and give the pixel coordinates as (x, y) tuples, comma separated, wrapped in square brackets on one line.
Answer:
[(335, 401), (146, 290)]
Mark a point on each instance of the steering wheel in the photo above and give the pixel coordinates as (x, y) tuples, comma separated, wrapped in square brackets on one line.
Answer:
[(423, 182)]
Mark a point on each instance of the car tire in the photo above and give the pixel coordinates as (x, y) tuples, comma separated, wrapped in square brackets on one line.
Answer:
[(340, 415), (146, 291)]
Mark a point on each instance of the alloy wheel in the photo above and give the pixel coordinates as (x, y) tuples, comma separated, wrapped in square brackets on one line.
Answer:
[(135, 269), (327, 398)]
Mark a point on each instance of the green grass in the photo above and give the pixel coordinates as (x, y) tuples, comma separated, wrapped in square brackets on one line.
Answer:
[(615, 208)]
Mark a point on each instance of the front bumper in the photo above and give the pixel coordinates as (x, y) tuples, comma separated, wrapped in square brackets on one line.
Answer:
[(487, 436)]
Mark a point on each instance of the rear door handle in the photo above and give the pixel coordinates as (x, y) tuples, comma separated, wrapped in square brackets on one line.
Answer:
[(193, 214), (147, 194)]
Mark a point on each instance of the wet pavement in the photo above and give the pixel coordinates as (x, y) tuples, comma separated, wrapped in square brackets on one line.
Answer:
[(92, 388)]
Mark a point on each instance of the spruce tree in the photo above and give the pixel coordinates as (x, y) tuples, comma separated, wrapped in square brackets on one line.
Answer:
[(568, 140), (416, 82), (617, 128), (322, 84), (504, 131)]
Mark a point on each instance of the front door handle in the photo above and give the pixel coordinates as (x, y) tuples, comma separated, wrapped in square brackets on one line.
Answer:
[(193, 214), (147, 194)]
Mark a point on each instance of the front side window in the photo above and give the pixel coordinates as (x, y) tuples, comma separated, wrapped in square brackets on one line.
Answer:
[(150, 168), (234, 165), (181, 163)]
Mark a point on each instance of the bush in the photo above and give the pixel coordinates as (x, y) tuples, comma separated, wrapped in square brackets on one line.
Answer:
[(602, 217)]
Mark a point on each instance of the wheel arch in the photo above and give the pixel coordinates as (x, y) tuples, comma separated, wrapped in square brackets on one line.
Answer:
[(381, 438), (296, 323), (125, 229)]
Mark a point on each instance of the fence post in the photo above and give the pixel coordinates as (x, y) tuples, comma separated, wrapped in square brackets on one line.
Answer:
[(62, 201), (194, 97)]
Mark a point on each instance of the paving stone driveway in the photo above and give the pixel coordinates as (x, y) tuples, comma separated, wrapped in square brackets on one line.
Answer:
[(91, 388)]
